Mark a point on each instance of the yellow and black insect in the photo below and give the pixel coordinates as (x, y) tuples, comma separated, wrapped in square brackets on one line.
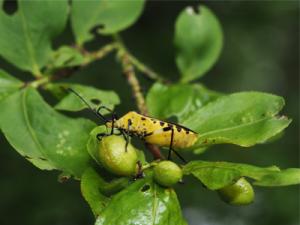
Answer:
[(151, 130)]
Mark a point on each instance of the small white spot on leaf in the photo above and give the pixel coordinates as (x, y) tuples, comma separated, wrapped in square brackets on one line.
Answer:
[(190, 11)]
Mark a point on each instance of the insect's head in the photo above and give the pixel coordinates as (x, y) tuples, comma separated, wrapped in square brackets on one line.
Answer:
[(108, 124), (111, 123)]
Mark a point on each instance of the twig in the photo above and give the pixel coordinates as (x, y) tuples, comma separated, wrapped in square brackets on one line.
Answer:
[(58, 74), (138, 64), (146, 70), (128, 70), (102, 52)]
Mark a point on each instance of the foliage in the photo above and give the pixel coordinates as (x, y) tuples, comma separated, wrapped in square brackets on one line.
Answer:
[(51, 140)]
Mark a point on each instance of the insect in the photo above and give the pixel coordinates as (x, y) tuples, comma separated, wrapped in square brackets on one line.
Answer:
[(151, 130)]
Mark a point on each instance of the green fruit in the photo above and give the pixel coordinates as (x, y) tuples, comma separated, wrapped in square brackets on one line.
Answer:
[(167, 173), (239, 193), (115, 159)]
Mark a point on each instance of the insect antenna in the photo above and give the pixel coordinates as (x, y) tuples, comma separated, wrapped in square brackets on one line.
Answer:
[(96, 112)]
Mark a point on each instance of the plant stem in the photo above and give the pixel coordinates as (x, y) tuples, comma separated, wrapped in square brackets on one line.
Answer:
[(146, 70), (39, 82), (128, 70), (138, 64), (129, 73), (105, 50), (69, 71)]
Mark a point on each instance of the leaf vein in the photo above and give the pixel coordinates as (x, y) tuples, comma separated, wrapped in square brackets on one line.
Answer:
[(235, 127), (28, 125)]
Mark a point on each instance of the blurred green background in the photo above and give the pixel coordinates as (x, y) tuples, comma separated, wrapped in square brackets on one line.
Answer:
[(261, 52)]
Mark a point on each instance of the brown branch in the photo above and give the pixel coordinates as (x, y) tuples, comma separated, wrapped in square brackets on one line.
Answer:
[(148, 72), (129, 73), (128, 70), (66, 72)]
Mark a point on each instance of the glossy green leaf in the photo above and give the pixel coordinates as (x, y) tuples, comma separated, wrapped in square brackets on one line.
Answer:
[(177, 100), (26, 35), (143, 203), (8, 84), (46, 138), (90, 186), (66, 56), (199, 40), (215, 175), (109, 17), (96, 191), (285, 177), (244, 119), (95, 97)]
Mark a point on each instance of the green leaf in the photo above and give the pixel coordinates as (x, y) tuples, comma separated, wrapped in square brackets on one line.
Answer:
[(71, 102), (110, 16), (8, 84), (96, 190), (46, 138), (244, 119), (177, 100), (26, 35), (66, 56), (285, 177), (143, 203), (199, 40), (215, 175), (90, 188)]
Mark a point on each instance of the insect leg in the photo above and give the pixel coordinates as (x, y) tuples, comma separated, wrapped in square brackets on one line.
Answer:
[(171, 148), (127, 134), (126, 137), (113, 119), (100, 115), (113, 116), (103, 107), (171, 144), (179, 156), (101, 135)]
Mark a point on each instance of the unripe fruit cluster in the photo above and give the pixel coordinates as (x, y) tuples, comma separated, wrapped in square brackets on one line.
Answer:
[(113, 156)]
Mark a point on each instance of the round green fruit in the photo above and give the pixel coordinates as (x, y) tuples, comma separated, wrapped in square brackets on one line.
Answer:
[(167, 173), (115, 159), (239, 193)]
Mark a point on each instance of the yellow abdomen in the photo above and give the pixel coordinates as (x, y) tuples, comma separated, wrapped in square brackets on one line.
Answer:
[(157, 132)]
